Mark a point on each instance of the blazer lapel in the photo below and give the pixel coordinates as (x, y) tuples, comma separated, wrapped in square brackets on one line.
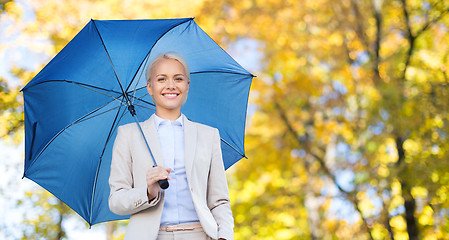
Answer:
[(190, 138), (150, 131)]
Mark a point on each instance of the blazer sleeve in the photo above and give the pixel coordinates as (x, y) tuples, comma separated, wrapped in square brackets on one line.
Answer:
[(218, 192), (124, 198)]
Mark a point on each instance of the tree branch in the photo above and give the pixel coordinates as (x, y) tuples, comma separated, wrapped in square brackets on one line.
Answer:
[(410, 38), (359, 27), (431, 22), (378, 16), (351, 196)]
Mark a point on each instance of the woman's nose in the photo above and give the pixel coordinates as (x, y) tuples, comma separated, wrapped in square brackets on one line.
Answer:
[(170, 83)]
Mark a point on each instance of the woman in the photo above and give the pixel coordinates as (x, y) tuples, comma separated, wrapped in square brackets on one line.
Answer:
[(196, 205)]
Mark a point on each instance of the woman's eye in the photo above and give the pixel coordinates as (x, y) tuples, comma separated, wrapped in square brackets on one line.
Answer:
[(160, 79), (179, 79)]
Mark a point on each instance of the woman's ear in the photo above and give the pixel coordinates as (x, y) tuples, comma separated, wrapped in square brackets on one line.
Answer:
[(149, 89)]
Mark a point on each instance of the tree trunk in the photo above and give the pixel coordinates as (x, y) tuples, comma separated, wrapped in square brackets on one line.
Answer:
[(409, 201), (410, 207)]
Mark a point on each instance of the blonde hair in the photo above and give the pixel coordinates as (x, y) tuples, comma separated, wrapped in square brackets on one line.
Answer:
[(168, 55)]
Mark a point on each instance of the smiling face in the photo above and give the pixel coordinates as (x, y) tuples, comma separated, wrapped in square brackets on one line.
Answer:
[(169, 86)]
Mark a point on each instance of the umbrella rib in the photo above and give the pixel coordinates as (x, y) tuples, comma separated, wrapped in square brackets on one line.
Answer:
[(144, 101), (113, 129), (148, 54), (251, 75), (112, 65), (214, 71), (93, 116), (68, 81), (243, 155), (62, 130), (138, 89), (154, 109), (141, 72), (86, 87), (139, 98)]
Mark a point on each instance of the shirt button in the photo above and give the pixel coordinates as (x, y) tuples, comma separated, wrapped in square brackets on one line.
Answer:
[(191, 189)]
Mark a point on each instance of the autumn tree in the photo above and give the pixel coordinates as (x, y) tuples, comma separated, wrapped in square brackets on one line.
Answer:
[(352, 105)]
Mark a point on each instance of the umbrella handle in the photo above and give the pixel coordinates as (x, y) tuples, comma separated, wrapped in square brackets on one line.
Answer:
[(163, 183)]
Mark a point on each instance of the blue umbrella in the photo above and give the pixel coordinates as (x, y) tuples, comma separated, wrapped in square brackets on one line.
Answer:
[(74, 105)]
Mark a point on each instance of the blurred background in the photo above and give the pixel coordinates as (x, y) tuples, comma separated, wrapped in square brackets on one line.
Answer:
[(348, 125)]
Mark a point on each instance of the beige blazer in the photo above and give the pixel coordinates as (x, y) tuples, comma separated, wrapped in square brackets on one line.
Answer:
[(205, 176)]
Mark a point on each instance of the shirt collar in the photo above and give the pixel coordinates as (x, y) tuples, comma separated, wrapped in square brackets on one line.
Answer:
[(160, 121)]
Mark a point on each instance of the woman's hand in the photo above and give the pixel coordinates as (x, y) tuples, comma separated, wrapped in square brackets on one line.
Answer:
[(153, 176)]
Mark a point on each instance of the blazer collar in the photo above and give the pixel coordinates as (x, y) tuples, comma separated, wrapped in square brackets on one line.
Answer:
[(190, 140)]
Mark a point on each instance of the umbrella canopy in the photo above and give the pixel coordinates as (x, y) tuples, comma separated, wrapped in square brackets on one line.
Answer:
[(74, 105)]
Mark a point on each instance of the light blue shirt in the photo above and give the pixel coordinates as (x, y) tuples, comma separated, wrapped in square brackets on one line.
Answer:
[(178, 204)]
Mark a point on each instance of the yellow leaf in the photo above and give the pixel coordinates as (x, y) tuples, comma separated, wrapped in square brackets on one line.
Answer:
[(398, 223)]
